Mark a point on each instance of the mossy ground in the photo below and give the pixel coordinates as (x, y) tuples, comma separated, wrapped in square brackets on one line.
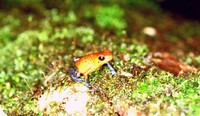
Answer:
[(37, 45)]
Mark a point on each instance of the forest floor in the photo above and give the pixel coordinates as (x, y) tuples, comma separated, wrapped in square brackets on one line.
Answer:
[(156, 56)]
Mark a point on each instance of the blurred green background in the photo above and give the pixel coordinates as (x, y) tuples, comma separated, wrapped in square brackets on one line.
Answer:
[(38, 39)]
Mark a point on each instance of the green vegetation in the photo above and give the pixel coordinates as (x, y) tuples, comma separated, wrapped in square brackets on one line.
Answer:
[(148, 4), (110, 17), (37, 47)]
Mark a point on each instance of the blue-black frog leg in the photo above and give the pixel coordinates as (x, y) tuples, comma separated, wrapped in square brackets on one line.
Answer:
[(87, 84), (113, 72), (75, 75)]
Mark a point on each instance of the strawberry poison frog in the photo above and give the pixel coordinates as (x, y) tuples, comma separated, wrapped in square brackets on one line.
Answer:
[(88, 64)]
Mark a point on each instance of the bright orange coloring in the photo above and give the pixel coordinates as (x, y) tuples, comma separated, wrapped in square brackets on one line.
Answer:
[(91, 62)]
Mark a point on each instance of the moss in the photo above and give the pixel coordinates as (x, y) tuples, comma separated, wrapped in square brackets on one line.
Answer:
[(111, 17), (36, 50)]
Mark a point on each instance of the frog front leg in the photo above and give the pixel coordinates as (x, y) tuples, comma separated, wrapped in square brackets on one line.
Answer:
[(86, 81), (113, 72), (86, 77)]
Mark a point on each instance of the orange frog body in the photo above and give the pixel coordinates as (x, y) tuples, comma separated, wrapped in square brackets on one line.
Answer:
[(88, 64)]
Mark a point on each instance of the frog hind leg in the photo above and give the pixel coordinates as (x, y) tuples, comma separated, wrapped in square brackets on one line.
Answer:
[(74, 74), (77, 79)]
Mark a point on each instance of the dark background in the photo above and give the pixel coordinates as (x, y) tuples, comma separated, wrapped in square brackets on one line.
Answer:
[(189, 9), (186, 8)]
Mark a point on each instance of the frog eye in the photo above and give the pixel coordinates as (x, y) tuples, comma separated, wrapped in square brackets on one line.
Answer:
[(101, 58)]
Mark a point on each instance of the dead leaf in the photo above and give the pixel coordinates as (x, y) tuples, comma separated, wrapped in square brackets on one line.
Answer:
[(170, 66), (170, 63)]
